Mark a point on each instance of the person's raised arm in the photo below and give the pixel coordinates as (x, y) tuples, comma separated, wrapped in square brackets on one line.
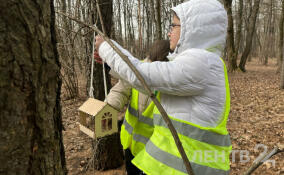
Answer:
[(186, 75)]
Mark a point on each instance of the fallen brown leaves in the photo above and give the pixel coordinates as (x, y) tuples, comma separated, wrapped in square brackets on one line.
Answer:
[(257, 116)]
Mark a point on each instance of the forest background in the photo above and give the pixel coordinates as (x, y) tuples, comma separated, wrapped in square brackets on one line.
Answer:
[(45, 76)]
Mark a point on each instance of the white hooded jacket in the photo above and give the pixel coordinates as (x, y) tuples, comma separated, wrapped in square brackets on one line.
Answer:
[(192, 85)]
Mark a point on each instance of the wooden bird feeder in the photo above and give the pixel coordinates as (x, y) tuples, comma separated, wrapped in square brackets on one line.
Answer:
[(97, 118)]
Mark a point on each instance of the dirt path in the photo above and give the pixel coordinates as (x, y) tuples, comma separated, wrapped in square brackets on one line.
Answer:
[(256, 117)]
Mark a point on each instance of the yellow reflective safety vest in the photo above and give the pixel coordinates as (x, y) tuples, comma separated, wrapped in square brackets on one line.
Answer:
[(136, 128), (207, 148)]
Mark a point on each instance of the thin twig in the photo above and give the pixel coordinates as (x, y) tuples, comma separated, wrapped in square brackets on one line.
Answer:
[(148, 90), (263, 158)]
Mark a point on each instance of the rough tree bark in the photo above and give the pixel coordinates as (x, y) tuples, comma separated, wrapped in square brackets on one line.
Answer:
[(230, 48), (30, 86), (108, 152), (249, 37)]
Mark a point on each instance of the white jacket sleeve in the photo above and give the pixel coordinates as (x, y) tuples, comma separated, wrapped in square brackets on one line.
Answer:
[(119, 95), (186, 75)]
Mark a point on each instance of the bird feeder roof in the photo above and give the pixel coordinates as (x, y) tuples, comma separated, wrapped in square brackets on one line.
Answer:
[(92, 106)]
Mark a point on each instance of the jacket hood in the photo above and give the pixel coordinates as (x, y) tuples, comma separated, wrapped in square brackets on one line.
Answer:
[(203, 26)]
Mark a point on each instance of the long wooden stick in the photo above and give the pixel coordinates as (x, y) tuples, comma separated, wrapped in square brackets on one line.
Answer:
[(263, 158), (149, 92)]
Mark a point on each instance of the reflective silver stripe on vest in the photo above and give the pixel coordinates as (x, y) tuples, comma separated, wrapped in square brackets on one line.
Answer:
[(195, 133), (140, 117), (136, 137), (177, 163), (127, 126), (140, 138)]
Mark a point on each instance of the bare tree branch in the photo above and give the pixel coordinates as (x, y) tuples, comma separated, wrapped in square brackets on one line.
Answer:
[(257, 163)]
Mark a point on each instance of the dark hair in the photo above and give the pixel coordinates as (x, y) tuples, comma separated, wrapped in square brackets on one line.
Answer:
[(159, 50)]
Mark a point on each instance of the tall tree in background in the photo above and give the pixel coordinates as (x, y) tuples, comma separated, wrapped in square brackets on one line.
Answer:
[(268, 32), (30, 86), (281, 23), (230, 48), (67, 53), (153, 17), (108, 152), (158, 21), (98, 84), (140, 29), (249, 36), (238, 33), (156, 18)]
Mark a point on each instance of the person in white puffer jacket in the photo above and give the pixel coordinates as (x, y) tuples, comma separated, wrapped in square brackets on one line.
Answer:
[(194, 91)]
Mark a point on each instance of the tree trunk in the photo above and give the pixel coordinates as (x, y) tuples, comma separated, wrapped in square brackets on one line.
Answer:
[(119, 21), (281, 47), (153, 14), (158, 21), (230, 49), (125, 23), (108, 152), (140, 30), (239, 32), (149, 24), (249, 36), (30, 87), (99, 91), (267, 35)]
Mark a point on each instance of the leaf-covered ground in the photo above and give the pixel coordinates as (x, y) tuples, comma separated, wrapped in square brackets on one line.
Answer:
[(256, 122), (257, 116)]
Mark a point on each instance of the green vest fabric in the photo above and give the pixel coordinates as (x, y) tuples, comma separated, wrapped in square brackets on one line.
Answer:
[(207, 148), (136, 128)]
